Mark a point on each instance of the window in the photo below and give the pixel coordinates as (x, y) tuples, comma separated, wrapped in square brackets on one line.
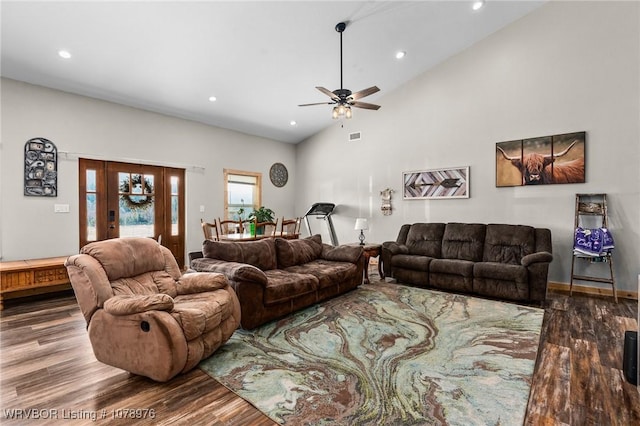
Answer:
[(242, 193)]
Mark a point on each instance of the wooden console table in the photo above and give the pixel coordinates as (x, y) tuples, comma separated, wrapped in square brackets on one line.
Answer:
[(21, 278)]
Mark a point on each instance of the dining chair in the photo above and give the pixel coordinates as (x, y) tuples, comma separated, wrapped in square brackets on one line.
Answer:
[(210, 230), (229, 226), (290, 227), (267, 229)]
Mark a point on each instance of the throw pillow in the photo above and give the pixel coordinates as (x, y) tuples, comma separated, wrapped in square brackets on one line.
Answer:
[(342, 253), (261, 253), (298, 252)]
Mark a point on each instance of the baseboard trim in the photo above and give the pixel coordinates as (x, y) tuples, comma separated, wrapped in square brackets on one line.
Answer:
[(585, 289)]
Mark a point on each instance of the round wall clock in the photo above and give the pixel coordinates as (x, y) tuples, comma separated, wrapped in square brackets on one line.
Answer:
[(278, 174)]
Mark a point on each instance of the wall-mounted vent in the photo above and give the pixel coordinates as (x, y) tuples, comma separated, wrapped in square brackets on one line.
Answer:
[(355, 136)]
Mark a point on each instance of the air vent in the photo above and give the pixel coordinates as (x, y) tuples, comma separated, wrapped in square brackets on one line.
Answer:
[(355, 136)]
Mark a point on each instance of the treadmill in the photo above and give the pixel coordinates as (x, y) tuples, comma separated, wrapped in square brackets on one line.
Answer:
[(322, 211)]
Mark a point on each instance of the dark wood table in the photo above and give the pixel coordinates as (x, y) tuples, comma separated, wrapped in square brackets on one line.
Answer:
[(370, 250)]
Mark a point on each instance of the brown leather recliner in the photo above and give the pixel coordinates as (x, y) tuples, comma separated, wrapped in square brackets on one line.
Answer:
[(142, 314)]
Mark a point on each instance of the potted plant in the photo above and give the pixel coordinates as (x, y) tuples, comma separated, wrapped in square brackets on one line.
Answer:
[(262, 214)]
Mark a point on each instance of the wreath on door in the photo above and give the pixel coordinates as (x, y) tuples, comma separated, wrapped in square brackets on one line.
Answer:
[(136, 202)]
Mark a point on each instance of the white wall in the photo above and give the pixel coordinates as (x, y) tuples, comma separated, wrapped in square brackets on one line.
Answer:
[(568, 66), (76, 124)]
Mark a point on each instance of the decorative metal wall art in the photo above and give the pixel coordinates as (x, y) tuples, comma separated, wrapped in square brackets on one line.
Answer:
[(385, 194), (541, 161), (40, 168), (278, 174), (436, 184)]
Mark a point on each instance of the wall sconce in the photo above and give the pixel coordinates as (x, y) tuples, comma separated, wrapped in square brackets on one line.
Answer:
[(361, 224)]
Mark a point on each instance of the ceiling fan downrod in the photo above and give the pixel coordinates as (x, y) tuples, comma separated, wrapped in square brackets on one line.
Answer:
[(340, 27)]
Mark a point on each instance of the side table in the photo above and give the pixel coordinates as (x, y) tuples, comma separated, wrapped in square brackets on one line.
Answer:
[(370, 250)]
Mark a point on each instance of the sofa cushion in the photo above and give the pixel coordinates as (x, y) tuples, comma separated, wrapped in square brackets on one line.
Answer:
[(284, 285), (501, 280), (261, 253), (500, 271), (425, 239), (508, 243), (451, 267), (329, 273), (200, 313), (147, 283), (296, 252), (411, 261), (463, 241), (127, 257)]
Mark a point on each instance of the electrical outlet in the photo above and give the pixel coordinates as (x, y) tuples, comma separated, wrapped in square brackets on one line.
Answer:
[(201, 209)]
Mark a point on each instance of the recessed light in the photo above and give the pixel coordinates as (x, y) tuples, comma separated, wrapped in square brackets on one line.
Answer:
[(477, 5), (64, 54), (293, 122), (212, 99), (401, 54)]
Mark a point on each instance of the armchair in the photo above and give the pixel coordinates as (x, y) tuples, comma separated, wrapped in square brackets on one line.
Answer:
[(142, 314)]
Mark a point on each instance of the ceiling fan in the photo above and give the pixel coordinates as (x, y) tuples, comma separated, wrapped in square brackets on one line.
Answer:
[(342, 98)]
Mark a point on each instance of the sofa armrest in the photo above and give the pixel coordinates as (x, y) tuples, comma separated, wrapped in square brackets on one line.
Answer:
[(539, 257), (234, 271), (395, 248), (342, 253), (127, 304), (200, 282), (195, 255)]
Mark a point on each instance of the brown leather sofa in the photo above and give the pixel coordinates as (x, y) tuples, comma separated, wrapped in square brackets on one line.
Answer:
[(499, 261), (142, 314), (274, 277)]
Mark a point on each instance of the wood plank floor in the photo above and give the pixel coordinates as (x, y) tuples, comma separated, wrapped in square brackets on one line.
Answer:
[(46, 363)]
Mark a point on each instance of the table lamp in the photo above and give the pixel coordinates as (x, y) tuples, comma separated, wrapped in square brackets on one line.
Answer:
[(361, 224)]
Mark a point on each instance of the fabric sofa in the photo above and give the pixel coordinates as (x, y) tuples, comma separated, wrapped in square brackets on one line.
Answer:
[(500, 261), (274, 277), (143, 315)]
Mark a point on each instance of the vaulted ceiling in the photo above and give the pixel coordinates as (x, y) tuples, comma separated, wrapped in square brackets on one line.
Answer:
[(258, 59)]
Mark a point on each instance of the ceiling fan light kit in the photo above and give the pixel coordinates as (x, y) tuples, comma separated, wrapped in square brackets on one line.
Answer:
[(342, 98)]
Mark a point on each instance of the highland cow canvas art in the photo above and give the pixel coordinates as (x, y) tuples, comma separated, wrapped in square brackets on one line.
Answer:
[(541, 161)]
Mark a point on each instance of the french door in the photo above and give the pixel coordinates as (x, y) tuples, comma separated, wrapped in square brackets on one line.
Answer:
[(132, 200)]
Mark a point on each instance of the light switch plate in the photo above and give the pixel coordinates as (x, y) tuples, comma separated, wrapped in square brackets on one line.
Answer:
[(61, 208)]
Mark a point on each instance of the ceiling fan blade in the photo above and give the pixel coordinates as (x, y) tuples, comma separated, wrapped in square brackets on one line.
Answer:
[(364, 92), (318, 103), (328, 92), (364, 105)]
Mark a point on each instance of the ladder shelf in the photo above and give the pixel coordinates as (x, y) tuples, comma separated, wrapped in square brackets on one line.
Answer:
[(592, 208)]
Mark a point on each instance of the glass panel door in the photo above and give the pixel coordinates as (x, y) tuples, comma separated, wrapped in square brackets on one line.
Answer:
[(132, 200), (136, 203)]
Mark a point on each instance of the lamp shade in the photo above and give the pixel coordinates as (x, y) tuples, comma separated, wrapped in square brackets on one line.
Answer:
[(361, 223)]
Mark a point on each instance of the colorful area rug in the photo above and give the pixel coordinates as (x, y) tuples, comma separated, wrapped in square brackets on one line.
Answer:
[(387, 354)]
